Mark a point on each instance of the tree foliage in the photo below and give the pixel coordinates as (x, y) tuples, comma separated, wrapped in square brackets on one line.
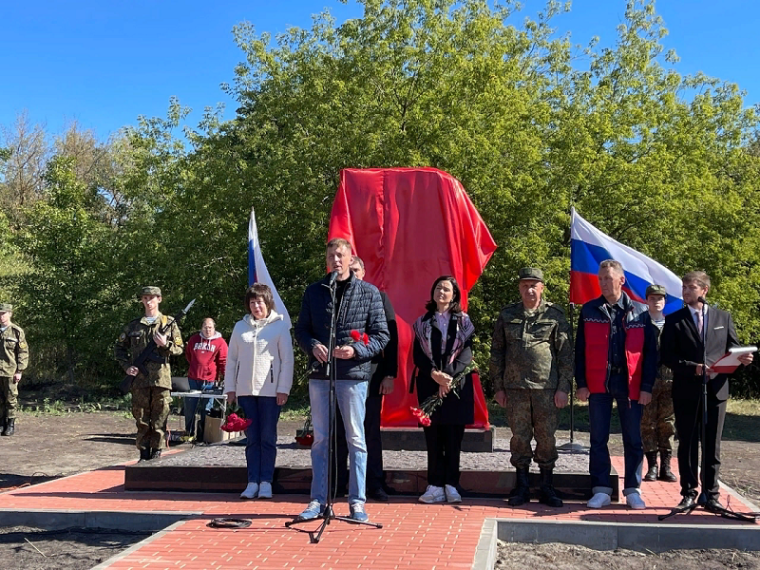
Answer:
[(530, 123)]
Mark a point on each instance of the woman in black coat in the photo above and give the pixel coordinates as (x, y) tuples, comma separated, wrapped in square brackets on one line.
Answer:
[(442, 352)]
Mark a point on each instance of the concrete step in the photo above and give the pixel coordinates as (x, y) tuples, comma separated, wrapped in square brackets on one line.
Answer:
[(195, 474)]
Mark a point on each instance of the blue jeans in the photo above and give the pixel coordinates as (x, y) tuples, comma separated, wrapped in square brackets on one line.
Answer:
[(351, 396), (261, 447), (191, 404), (600, 414)]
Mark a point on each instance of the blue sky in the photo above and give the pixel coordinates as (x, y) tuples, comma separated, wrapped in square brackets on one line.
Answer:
[(104, 63)]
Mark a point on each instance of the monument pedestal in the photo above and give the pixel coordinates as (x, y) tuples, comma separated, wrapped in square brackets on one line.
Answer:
[(221, 468), (413, 439)]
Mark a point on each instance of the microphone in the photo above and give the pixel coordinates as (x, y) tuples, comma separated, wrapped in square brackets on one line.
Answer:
[(333, 277), (702, 300)]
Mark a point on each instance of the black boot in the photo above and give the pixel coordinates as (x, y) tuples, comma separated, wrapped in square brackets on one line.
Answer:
[(665, 473), (549, 495), (155, 454), (3, 425), (144, 454), (521, 493), (651, 466), (10, 426)]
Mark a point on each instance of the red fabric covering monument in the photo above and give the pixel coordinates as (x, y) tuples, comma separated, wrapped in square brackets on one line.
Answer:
[(410, 226)]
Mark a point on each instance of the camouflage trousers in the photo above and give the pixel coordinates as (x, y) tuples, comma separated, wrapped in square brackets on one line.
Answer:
[(8, 397), (532, 413), (658, 419), (150, 408)]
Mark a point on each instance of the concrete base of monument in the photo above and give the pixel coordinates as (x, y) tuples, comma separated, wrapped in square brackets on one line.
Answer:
[(413, 439), (222, 468)]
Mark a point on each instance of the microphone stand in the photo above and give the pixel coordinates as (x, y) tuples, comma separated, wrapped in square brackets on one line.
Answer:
[(329, 514), (702, 499)]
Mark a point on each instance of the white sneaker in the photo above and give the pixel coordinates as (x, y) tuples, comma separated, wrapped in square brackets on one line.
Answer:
[(265, 490), (250, 491), (635, 501), (452, 495), (432, 495), (599, 500)]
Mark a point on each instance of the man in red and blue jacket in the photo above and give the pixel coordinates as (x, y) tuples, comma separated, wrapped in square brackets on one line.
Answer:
[(615, 359)]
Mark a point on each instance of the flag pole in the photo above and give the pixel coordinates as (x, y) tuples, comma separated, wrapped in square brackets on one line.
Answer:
[(572, 446)]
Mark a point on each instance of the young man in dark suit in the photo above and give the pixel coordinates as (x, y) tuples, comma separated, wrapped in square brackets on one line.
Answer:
[(683, 351)]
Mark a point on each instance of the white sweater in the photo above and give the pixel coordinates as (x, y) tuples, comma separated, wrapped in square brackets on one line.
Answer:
[(260, 357)]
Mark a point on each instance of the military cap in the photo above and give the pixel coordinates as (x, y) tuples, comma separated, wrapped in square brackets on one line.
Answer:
[(6, 308), (150, 291), (655, 289), (531, 273)]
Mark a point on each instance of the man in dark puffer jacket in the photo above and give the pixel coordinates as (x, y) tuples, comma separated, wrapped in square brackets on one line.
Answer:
[(360, 311)]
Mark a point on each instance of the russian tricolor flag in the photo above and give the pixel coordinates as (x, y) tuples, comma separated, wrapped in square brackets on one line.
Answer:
[(257, 269), (589, 247)]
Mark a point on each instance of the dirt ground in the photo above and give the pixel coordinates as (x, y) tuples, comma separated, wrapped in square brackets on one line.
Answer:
[(68, 549), (50, 446), (567, 557)]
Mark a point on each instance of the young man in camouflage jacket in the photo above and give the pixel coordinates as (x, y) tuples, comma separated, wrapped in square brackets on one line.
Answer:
[(151, 392)]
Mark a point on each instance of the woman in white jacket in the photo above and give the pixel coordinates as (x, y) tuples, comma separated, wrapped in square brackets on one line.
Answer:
[(259, 374)]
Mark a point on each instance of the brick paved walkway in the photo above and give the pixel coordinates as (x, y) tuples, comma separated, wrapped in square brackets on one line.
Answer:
[(413, 535)]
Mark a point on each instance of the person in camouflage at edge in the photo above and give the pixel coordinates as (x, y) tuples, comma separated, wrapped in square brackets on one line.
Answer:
[(14, 357), (658, 422), (532, 370), (150, 395)]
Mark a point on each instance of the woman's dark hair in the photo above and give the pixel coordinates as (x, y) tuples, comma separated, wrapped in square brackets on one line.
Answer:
[(455, 306), (259, 290)]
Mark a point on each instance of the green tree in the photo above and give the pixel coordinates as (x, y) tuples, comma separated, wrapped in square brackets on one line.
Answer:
[(453, 85), (66, 291), (665, 163)]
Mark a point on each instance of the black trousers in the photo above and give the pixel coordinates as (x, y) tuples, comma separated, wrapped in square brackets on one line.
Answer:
[(444, 446), (688, 412), (375, 472)]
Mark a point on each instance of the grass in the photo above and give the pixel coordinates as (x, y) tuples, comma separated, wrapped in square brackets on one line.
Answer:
[(742, 419), (296, 409), (741, 407), (51, 407)]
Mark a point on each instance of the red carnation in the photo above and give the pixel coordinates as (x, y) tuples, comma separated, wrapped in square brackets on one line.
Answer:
[(425, 421), (236, 423), (356, 336), (365, 339), (417, 413)]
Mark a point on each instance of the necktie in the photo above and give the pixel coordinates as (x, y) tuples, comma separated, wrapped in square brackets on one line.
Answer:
[(699, 323)]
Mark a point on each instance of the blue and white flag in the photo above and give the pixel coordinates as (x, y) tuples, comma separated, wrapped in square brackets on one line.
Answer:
[(257, 269)]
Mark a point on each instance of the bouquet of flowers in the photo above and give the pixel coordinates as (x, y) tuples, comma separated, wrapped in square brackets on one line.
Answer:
[(235, 420), (305, 435), (432, 403)]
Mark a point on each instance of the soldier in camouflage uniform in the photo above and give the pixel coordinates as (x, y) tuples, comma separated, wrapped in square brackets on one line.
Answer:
[(151, 393), (658, 419), (532, 370), (14, 357)]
